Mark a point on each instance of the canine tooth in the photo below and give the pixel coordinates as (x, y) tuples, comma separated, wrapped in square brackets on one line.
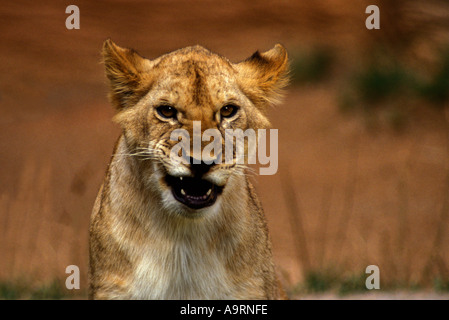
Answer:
[(183, 192), (208, 192), (180, 178)]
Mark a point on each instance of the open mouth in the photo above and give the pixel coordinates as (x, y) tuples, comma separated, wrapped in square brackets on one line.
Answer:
[(196, 193)]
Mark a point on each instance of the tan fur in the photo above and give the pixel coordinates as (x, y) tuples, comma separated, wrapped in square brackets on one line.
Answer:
[(144, 244)]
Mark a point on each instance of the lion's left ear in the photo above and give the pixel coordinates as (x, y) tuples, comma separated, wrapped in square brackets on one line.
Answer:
[(264, 75)]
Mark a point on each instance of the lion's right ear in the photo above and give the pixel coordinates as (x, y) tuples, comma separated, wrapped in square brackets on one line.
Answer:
[(128, 73)]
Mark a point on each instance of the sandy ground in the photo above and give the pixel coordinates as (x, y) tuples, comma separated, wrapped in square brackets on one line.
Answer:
[(405, 295)]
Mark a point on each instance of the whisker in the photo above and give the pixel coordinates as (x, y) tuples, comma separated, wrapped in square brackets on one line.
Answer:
[(246, 170)]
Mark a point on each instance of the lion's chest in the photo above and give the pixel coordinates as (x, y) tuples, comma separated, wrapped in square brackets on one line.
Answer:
[(182, 271)]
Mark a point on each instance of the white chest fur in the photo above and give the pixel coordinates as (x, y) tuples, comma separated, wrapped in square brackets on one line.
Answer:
[(181, 271)]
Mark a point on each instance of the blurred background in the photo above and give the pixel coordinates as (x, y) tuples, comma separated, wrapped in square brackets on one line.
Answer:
[(363, 134)]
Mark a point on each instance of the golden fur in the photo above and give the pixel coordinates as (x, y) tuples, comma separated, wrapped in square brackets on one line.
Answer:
[(144, 244)]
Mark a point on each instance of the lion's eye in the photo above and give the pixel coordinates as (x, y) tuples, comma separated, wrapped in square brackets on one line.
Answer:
[(228, 111), (166, 111)]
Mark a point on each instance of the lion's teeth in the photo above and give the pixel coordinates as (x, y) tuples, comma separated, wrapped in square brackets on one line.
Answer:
[(208, 192), (180, 178), (183, 192)]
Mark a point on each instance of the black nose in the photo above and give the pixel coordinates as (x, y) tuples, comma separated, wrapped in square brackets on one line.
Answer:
[(199, 167)]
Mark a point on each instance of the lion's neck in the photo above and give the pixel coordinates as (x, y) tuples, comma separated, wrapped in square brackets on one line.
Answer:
[(175, 256)]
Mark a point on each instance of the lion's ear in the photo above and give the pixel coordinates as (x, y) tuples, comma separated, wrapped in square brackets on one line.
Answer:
[(128, 74), (264, 75)]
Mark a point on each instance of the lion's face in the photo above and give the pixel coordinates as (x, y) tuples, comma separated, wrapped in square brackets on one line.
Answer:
[(198, 93)]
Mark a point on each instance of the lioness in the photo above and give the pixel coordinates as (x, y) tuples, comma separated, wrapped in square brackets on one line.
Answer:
[(166, 230)]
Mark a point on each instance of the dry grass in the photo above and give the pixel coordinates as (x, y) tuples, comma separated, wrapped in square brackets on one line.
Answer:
[(396, 219), (36, 243)]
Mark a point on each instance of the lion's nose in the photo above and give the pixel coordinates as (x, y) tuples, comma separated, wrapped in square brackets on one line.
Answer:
[(199, 167)]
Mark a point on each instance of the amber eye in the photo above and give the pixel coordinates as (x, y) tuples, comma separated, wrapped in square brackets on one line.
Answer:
[(228, 111), (166, 111)]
